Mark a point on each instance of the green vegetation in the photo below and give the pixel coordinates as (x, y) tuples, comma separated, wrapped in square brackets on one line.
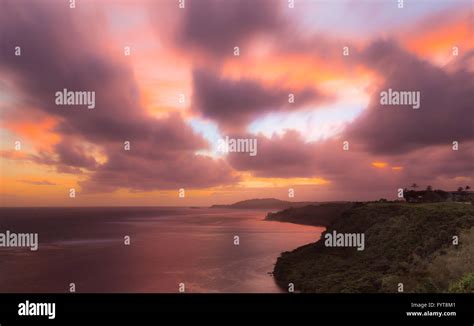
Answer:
[(464, 285), (435, 196), (404, 243), (455, 263), (319, 215)]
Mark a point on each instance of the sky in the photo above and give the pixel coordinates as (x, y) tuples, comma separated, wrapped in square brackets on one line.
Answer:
[(182, 87)]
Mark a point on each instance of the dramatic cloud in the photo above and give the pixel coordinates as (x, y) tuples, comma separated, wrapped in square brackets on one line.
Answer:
[(280, 156), (217, 26), (446, 99), (74, 155), (234, 103), (57, 58), (141, 138), (355, 170), (39, 183), (141, 174), (59, 52)]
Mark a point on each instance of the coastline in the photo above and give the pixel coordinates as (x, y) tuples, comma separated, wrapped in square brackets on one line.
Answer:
[(408, 244)]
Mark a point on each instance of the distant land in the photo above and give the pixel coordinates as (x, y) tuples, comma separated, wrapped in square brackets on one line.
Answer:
[(319, 215), (264, 203), (405, 243)]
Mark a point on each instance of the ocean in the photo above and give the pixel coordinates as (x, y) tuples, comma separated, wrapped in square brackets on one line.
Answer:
[(168, 246)]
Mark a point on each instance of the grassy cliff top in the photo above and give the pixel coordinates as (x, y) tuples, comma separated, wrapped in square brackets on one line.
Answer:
[(318, 215), (404, 243)]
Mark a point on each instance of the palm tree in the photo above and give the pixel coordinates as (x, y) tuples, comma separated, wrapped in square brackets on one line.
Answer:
[(460, 189), (414, 186), (467, 187)]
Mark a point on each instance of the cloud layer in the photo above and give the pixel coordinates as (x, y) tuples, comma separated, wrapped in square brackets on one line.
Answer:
[(283, 52)]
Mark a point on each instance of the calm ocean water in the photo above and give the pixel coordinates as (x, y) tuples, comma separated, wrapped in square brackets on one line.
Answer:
[(168, 246)]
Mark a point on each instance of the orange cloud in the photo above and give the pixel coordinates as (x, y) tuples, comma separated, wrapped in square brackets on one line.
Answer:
[(379, 165), (382, 165), (37, 132), (437, 39), (309, 70), (12, 155), (249, 181)]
